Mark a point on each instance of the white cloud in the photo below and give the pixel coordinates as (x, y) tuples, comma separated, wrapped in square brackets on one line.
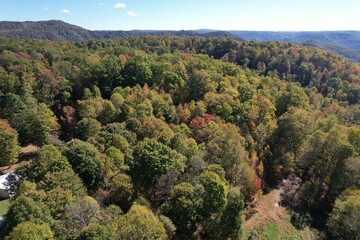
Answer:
[(120, 5), (66, 11), (131, 14)]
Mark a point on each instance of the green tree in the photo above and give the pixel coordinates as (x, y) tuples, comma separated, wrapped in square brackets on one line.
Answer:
[(170, 228), (57, 200), (323, 162), (351, 173), (25, 187), (293, 128), (117, 156), (157, 129), (107, 112), (137, 71), (285, 141), (292, 96), (95, 232), (152, 159), (25, 209), (172, 81), (65, 180), (30, 230), (230, 223), (120, 191), (225, 146), (189, 148), (9, 148), (354, 138), (49, 159), (85, 161), (215, 191), (39, 123), (139, 223), (344, 221), (183, 209), (106, 74), (86, 128)]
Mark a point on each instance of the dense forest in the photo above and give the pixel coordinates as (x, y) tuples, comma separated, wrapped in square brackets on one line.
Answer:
[(349, 53), (62, 31), (174, 138), (346, 39), (345, 43)]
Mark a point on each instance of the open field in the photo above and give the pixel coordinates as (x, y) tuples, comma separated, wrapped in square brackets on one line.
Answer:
[(272, 222)]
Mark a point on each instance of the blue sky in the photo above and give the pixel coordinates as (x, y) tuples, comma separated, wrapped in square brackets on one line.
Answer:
[(275, 15)]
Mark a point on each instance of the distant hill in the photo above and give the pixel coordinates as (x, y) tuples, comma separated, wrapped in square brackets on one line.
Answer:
[(50, 30), (61, 31), (345, 43), (351, 54), (348, 39)]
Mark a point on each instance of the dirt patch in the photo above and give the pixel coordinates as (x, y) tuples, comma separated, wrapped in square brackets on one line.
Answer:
[(267, 218), (268, 209), (29, 149), (7, 169), (25, 154)]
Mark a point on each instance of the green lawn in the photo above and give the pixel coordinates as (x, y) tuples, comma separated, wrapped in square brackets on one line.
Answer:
[(271, 232), (4, 207)]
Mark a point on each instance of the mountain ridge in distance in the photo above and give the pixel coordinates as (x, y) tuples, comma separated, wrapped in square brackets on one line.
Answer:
[(345, 43), (62, 31)]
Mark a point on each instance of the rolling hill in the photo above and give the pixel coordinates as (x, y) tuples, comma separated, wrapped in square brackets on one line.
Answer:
[(345, 43), (347, 39), (61, 31)]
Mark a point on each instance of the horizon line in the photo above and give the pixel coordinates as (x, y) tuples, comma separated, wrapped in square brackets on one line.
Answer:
[(198, 29)]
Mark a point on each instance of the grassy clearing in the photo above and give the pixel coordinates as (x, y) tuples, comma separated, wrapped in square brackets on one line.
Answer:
[(4, 207), (272, 222), (275, 230), (270, 232)]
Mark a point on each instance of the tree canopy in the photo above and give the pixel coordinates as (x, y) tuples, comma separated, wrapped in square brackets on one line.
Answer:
[(167, 137)]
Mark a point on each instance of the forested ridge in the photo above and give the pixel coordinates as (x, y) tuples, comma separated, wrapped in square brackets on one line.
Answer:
[(61, 31), (173, 138), (349, 53), (345, 43)]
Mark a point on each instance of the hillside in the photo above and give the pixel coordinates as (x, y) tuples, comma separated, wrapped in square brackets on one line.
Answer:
[(167, 137), (330, 74), (349, 53), (345, 43), (51, 30), (61, 31), (348, 39)]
